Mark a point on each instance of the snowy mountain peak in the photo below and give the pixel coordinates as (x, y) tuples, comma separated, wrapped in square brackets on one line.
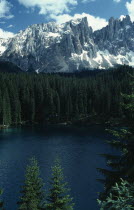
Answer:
[(71, 46), (127, 19), (3, 45), (79, 21)]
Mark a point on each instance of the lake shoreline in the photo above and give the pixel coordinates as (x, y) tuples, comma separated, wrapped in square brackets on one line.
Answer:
[(89, 121)]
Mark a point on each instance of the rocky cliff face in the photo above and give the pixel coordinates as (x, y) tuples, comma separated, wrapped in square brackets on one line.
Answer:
[(71, 46), (117, 37)]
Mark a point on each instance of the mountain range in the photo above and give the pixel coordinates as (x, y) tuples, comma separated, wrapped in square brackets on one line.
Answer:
[(71, 46)]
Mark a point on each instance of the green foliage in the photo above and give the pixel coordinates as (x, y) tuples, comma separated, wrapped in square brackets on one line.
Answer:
[(6, 108), (1, 202), (121, 197), (44, 97), (122, 166), (32, 194), (58, 197)]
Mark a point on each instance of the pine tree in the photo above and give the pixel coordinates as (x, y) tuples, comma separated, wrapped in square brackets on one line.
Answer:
[(32, 109), (1, 202), (14, 103), (58, 199), (122, 165), (69, 107), (57, 103), (36, 98), (16, 109), (6, 109), (32, 194), (1, 107), (121, 197)]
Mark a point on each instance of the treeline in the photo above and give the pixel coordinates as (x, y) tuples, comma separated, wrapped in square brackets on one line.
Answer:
[(34, 195), (28, 97)]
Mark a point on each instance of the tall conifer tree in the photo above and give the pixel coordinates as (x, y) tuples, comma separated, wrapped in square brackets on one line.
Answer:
[(122, 165), (6, 109), (32, 194), (58, 197), (1, 202)]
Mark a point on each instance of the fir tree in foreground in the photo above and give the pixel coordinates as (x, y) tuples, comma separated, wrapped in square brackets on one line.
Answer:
[(1, 202), (121, 197), (58, 197), (122, 165), (32, 194)]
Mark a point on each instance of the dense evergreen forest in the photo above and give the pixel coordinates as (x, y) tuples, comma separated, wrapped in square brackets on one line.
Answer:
[(119, 177), (38, 98), (31, 97)]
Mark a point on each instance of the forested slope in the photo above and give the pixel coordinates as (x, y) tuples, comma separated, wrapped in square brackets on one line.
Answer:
[(31, 97)]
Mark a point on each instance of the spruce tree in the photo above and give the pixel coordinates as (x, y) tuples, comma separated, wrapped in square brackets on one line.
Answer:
[(1, 202), (58, 197), (69, 107), (30, 97), (32, 194), (6, 108), (1, 107), (14, 103), (57, 103), (32, 109), (122, 165), (121, 197)]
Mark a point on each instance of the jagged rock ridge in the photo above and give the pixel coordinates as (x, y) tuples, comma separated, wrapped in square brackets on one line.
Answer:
[(71, 46)]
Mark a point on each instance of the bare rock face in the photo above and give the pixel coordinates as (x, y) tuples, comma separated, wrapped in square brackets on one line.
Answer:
[(71, 46), (117, 37)]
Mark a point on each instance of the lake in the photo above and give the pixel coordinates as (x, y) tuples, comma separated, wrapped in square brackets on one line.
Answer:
[(78, 148)]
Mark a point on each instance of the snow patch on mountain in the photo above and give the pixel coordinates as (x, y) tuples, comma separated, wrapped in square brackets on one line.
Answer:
[(3, 45), (71, 46)]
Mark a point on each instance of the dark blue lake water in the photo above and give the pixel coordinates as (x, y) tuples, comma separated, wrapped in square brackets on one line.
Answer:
[(78, 149)]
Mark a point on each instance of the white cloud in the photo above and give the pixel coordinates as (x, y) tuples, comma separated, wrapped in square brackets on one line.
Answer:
[(95, 22), (2, 22), (55, 7), (59, 10), (5, 8), (117, 1), (130, 8), (86, 1), (5, 34), (10, 26)]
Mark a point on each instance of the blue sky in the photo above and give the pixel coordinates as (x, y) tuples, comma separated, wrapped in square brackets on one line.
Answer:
[(16, 15)]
